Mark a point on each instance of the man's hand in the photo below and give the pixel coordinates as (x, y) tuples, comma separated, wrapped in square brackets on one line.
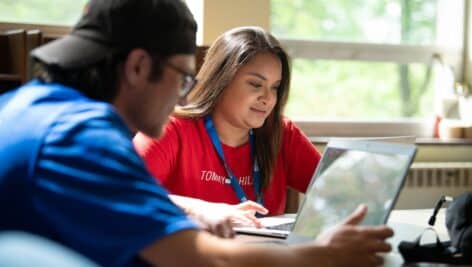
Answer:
[(355, 245), (213, 223)]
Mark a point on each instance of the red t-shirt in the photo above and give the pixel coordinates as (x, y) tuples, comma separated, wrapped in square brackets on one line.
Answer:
[(186, 163)]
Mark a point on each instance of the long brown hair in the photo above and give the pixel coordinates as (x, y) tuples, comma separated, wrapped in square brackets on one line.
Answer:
[(232, 50)]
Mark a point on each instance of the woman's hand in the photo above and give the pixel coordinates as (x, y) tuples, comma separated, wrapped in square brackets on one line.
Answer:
[(245, 213), (219, 218)]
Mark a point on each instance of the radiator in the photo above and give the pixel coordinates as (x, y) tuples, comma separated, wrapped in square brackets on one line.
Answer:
[(426, 182)]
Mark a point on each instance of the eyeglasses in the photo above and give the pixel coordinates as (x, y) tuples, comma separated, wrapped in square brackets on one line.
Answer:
[(188, 80)]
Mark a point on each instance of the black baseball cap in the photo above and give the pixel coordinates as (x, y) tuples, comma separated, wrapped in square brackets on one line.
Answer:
[(163, 27), (459, 223)]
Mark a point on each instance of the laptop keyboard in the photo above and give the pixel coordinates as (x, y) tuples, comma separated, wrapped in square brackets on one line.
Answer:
[(283, 227)]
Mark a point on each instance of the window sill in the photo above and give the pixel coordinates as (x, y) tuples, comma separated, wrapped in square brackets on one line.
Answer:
[(430, 150), (322, 140)]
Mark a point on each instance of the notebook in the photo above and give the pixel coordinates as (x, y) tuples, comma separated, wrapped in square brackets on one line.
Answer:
[(349, 173)]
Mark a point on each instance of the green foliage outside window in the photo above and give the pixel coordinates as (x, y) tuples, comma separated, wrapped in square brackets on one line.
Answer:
[(54, 12), (347, 89)]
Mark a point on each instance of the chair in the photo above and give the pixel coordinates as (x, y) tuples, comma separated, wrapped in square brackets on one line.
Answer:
[(34, 38), (200, 56), (16, 67), (12, 59), (293, 201)]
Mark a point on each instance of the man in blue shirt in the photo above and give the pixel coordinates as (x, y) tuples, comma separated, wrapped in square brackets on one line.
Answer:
[(68, 168)]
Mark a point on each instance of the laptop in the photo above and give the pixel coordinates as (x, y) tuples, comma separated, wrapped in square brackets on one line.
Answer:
[(349, 173)]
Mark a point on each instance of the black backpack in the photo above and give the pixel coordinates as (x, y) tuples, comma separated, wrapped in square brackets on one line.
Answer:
[(456, 251)]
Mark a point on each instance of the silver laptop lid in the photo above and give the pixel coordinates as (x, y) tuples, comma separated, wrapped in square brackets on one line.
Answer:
[(350, 173)]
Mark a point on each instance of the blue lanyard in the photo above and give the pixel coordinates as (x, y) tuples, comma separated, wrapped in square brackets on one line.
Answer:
[(233, 179)]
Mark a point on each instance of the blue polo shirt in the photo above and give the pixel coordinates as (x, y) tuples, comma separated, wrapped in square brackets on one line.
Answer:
[(69, 172)]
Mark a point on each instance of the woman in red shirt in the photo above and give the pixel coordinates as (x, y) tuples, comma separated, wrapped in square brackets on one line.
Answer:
[(230, 143)]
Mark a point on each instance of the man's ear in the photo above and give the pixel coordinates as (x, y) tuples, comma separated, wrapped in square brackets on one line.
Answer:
[(137, 67)]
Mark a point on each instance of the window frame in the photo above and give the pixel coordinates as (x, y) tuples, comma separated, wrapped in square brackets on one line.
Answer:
[(368, 52), (389, 53)]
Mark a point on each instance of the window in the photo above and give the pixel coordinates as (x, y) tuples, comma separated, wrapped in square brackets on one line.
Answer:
[(368, 60), (64, 12), (355, 89)]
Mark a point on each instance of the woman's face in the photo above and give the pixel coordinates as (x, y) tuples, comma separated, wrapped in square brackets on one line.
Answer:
[(252, 94)]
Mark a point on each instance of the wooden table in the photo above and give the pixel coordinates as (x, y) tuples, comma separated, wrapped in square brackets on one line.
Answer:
[(407, 224)]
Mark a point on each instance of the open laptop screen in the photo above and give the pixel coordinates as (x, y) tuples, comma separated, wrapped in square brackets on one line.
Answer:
[(349, 174)]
